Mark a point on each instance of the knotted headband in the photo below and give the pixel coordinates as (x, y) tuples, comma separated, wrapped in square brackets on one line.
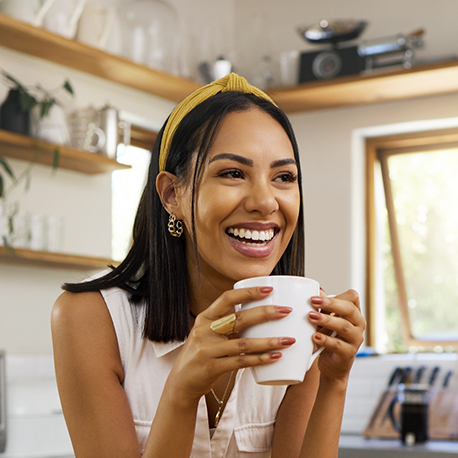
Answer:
[(231, 82)]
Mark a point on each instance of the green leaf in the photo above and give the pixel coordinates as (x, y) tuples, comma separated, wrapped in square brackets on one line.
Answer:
[(19, 85), (10, 224), (46, 108), (2, 188), (68, 87), (55, 159), (7, 167), (27, 101)]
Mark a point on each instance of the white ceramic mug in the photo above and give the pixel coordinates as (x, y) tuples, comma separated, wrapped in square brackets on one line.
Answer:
[(62, 17), (99, 27), (31, 11), (296, 360)]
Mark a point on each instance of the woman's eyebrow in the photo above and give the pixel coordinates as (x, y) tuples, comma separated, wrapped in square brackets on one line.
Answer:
[(233, 157), (245, 161), (282, 162)]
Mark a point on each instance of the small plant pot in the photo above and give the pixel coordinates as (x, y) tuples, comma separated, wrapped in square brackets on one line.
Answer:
[(12, 117)]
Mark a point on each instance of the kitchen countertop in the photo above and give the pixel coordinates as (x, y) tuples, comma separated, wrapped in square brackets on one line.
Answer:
[(359, 447)]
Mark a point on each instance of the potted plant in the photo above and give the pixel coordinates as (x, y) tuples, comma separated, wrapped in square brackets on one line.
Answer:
[(23, 101)]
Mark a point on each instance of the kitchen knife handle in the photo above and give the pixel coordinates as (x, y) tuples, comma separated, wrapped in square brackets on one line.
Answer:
[(447, 378), (433, 376), (405, 374), (419, 374), (395, 374)]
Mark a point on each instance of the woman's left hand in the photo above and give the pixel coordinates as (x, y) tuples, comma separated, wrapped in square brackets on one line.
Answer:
[(341, 314)]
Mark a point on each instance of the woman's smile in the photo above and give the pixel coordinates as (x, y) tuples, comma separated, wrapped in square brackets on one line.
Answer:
[(253, 239)]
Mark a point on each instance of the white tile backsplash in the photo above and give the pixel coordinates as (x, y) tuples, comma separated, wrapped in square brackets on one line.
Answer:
[(370, 375)]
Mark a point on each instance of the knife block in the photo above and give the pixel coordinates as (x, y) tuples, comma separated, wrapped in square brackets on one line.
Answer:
[(443, 418)]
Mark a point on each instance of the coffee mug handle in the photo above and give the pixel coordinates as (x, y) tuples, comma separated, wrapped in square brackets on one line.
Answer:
[(318, 352)]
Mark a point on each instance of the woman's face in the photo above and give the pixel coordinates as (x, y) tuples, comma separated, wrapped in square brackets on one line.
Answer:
[(247, 201)]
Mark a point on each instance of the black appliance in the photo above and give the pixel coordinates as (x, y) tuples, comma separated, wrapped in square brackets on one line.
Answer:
[(336, 60), (327, 64)]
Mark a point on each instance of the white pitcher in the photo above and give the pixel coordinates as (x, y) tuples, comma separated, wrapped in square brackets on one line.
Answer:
[(62, 17), (31, 11), (99, 27)]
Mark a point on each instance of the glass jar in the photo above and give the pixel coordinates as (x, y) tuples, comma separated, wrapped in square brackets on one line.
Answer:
[(151, 34)]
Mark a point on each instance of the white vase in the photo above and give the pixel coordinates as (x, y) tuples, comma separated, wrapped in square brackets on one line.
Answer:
[(52, 128)]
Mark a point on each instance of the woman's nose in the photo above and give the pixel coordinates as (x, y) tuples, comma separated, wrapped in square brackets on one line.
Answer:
[(261, 197)]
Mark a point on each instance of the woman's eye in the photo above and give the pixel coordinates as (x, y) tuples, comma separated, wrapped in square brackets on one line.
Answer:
[(231, 174), (286, 178)]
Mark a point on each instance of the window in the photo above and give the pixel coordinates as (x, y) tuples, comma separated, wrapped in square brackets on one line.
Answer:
[(412, 244), (127, 186)]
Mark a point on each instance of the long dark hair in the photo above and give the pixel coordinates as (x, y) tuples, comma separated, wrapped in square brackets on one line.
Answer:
[(154, 272)]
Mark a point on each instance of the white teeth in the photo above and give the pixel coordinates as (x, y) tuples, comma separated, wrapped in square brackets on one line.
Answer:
[(262, 236)]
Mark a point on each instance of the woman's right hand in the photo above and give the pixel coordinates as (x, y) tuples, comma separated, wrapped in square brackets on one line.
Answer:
[(207, 355)]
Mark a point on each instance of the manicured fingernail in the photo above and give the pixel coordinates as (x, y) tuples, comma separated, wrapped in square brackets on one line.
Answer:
[(314, 315), (318, 336), (275, 355), (316, 300), (265, 289), (284, 310), (287, 341)]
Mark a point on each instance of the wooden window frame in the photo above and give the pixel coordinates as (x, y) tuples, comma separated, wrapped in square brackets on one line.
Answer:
[(378, 150), (142, 138)]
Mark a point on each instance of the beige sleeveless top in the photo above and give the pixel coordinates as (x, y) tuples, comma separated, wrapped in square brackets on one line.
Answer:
[(247, 425)]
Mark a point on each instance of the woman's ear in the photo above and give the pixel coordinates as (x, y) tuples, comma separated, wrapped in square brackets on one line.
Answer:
[(165, 186)]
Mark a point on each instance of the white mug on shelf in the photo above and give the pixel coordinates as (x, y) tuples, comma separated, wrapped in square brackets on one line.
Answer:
[(37, 232), (54, 233), (99, 27), (62, 17), (31, 11)]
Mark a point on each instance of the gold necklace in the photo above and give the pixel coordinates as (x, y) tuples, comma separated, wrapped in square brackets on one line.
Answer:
[(221, 401)]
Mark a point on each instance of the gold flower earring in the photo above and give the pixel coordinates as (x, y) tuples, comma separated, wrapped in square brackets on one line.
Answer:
[(175, 226)]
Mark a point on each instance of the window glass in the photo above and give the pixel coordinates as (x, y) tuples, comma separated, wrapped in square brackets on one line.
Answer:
[(425, 198), (127, 186)]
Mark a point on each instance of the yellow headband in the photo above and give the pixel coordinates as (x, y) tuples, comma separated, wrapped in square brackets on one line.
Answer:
[(231, 82)]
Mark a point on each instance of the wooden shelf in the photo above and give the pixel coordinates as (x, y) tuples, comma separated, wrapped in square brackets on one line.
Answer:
[(22, 256), (379, 86), (38, 42), (32, 149)]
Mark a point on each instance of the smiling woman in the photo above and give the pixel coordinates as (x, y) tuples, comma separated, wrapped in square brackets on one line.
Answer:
[(148, 356)]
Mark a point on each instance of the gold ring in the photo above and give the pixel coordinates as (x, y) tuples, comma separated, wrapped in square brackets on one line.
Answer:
[(224, 325)]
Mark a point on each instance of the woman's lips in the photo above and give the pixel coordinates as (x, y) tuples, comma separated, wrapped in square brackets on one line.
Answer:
[(253, 249)]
